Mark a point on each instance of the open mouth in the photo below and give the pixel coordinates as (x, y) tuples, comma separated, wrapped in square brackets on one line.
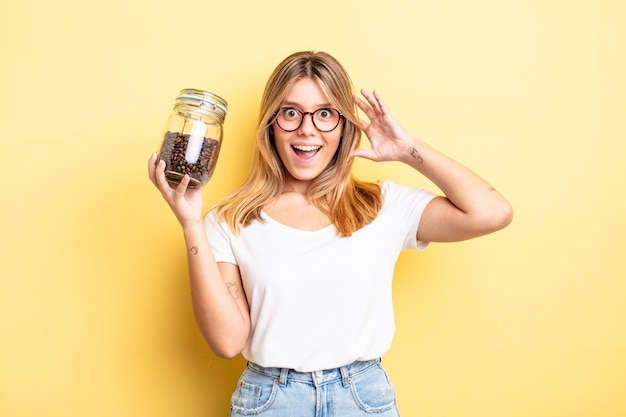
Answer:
[(306, 151)]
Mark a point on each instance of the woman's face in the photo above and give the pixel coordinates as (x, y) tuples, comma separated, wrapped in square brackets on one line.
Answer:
[(306, 151)]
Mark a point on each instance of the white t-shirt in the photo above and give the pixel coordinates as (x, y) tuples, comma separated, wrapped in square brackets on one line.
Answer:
[(318, 300)]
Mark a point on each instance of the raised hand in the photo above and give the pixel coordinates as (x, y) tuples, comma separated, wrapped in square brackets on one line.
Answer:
[(389, 141)]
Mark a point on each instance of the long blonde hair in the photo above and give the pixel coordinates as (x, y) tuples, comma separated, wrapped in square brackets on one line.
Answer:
[(348, 202)]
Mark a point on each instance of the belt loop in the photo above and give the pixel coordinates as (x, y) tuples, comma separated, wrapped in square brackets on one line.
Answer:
[(345, 376), (283, 376)]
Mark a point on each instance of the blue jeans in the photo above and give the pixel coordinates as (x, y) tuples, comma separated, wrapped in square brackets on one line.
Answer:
[(358, 389)]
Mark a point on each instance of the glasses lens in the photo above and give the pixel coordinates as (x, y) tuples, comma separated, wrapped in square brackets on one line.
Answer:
[(326, 119), (289, 119)]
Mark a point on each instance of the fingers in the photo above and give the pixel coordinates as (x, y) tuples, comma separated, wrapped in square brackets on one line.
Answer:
[(381, 103), (366, 154), (179, 193), (156, 173), (152, 168), (359, 103), (374, 106), (367, 109), (371, 99), (159, 176)]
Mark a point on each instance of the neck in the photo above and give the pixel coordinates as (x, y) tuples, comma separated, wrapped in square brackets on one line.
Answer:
[(293, 185)]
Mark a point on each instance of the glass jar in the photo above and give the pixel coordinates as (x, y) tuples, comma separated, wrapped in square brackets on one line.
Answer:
[(193, 136)]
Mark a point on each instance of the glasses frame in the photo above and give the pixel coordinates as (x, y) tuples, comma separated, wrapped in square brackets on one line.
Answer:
[(303, 114)]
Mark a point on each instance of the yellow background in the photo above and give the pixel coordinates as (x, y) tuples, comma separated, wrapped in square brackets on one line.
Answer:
[(95, 315)]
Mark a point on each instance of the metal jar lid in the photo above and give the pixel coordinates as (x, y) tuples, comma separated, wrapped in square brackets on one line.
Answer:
[(205, 101)]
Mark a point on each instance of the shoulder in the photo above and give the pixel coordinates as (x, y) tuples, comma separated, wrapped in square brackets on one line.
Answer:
[(213, 222), (211, 216), (393, 192)]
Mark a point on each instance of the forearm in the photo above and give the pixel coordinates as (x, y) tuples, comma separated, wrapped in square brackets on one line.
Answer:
[(218, 301), (483, 206)]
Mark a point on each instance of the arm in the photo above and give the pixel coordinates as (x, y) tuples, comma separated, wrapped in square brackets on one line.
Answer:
[(471, 207), (219, 302)]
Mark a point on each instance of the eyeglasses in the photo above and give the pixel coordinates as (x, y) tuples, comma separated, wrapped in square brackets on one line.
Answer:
[(324, 119)]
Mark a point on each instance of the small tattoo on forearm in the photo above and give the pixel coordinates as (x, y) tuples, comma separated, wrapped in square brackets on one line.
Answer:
[(233, 289), (491, 189), (194, 250), (415, 154)]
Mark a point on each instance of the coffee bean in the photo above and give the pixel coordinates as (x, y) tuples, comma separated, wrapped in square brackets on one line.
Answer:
[(173, 150)]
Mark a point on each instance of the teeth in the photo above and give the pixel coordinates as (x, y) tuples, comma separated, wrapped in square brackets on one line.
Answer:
[(306, 148)]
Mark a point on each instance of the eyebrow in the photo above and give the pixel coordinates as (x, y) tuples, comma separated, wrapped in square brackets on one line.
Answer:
[(317, 107)]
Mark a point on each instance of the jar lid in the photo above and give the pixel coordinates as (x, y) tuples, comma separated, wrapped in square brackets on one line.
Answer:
[(204, 100)]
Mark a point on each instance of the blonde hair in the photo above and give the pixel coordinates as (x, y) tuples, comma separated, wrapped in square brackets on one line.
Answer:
[(348, 202)]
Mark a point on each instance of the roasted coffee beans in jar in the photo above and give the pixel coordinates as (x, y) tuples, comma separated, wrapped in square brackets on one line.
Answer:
[(193, 136)]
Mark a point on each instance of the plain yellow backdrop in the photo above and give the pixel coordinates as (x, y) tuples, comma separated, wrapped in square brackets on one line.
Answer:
[(95, 316)]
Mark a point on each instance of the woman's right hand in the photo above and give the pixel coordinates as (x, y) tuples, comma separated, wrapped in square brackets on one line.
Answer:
[(186, 203)]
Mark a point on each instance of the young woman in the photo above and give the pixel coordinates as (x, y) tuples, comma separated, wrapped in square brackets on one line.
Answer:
[(294, 269)]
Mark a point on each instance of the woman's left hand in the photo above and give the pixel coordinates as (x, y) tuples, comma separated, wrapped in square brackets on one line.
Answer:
[(389, 141)]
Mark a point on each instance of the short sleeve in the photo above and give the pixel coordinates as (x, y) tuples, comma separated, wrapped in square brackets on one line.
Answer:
[(408, 204), (219, 236)]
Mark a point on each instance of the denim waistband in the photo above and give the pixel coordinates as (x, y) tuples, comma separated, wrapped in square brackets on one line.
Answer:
[(317, 378)]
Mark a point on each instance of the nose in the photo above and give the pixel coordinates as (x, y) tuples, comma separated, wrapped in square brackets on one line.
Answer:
[(307, 126)]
